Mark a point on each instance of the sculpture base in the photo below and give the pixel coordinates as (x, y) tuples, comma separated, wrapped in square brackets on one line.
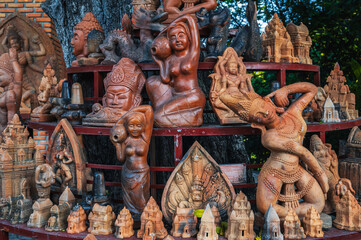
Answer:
[(42, 117), (343, 227)]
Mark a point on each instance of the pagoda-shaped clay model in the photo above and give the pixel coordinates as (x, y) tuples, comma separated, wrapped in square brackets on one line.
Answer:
[(17, 166), (101, 220), (292, 226), (241, 219), (23, 211), (90, 237), (151, 222), (330, 114), (76, 220), (276, 42), (301, 41), (339, 92), (124, 224), (348, 213), (207, 228), (67, 196), (271, 228), (312, 223), (184, 223)]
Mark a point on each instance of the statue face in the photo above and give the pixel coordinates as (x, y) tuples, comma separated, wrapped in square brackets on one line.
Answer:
[(262, 112), (135, 127), (197, 196), (178, 39), (232, 68), (78, 43), (119, 97), (14, 43)]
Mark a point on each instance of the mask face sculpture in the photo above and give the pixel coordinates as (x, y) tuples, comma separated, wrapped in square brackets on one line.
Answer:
[(283, 136), (175, 95)]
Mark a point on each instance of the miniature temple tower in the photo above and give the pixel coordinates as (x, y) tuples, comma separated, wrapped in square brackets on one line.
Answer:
[(151, 222), (17, 166), (76, 220), (348, 214), (124, 224), (301, 41), (101, 220), (312, 223), (207, 228), (271, 228), (241, 219), (292, 226), (184, 223), (330, 113)]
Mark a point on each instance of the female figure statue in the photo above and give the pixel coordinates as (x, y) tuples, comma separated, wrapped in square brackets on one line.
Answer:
[(283, 135), (131, 137), (175, 95)]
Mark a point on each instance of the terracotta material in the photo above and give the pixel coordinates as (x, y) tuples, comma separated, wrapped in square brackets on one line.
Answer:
[(23, 211), (230, 76), (4, 208), (207, 228), (67, 197), (317, 104), (292, 226), (328, 160), (184, 223), (58, 217), (13, 208), (124, 224), (177, 8), (312, 223), (175, 95), (101, 220), (123, 86), (241, 219), (99, 191), (66, 156), (131, 137), (81, 31), (330, 114), (90, 237), (301, 41), (34, 50), (95, 56), (151, 222), (196, 181), (348, 213), (283, 136), (44, 178), (339, 92), (76, 220), (17, 166), (276, 42), (271, 228)]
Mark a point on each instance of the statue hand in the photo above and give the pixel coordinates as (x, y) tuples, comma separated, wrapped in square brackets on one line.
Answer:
[(280, 97)]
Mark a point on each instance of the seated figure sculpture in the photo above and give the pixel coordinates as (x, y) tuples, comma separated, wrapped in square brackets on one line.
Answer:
[(175, 95), (283, 136)]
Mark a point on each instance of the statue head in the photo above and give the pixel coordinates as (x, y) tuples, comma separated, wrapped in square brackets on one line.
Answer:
[(81, 31), (197, 190), (14, 39), (94, 39), (179, 36), (135, 123)]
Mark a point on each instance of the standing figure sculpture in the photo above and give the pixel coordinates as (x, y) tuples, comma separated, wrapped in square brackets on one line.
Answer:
[(62, 161), (283, 136), (131, 137), (175, 95)]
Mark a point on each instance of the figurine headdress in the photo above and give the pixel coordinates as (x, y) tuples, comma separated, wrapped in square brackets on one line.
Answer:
[(88, 23)]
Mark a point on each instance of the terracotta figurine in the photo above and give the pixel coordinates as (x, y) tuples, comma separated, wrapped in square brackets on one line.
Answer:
[(81, 31), (123, 86), (301, 41), (76, 220), (312, 223), (348, 213), (124, 224), (292, 226), (151, 222), (131, 137), (95, 56), (229, 76), (271, 228), (175, 95), (184, 223), (317, 104), (101, 220), (283, 136), (196, 181), (207, 228)]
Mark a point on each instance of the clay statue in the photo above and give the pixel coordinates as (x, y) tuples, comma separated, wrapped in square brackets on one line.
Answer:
[(79, 40), (196, 181), (44, 178), (76, 220), (207, 228), (17, 165), (175, 95), (23, 211), (13, 213), (95, 56), (271, 228), (327, 158), (301, 41), (120, 43), (312, 223), (330, 114), (348, 213), (283, 136), (99, 191), (229, 76), (131, 137), (123, 86), (58, 217), (317, 104), (124, 224), (184, 223), (151, 222), (292, 226), (241, 219), (276, 42), (101, 220), (177, 8)]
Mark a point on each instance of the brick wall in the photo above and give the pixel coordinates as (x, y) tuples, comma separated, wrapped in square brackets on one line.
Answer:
[(41, 140)]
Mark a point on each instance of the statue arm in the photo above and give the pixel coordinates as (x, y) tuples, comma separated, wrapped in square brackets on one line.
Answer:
[(31, 64), (207, 4), (40, 52), (249, 83), (18, 75), (70, 158), (148, 113)]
